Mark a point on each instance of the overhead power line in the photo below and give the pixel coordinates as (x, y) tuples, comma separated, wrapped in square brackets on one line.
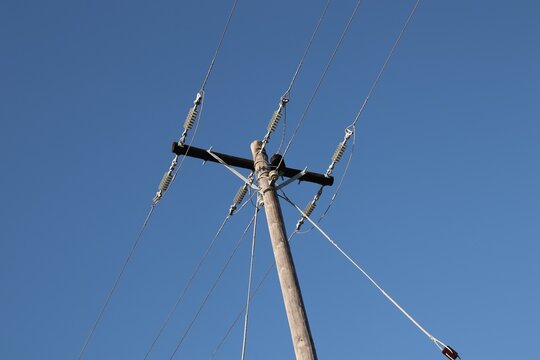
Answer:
[(250, 277), (237, 200), (212, 288), (351, 129), (244, 308), (322, 77), (115, 285), (386, 61), (278, 113), (220, 42), (167, 180)]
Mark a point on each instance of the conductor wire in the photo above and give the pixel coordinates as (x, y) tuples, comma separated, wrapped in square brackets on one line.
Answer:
[(340, 184), (250, 277), (212, 288), (321, 79), (278, 113), (218, 48), (187, 286), (115, 284), (386, 61), (239, 315), (308, 47), (352, 126)]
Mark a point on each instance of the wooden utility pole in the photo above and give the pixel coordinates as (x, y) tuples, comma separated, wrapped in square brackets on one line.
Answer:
[(292, 297), (304, 347)]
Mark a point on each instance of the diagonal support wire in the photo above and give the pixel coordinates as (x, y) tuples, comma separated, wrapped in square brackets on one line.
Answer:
[(233, 170), (437, 342)]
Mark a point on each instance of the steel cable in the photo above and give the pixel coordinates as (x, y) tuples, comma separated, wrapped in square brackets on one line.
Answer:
[(218, 48), (352, 126), (186, 287), (239, 315), (437, 342), (115, 285), (321, 79), (250, 277), (386, 61), (212, 288), (274, 120)]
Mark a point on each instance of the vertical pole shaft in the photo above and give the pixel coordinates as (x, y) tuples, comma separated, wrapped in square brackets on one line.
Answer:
[(304, 347)]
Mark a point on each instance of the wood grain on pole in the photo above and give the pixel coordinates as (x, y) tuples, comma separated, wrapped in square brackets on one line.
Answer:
[(304, 347)]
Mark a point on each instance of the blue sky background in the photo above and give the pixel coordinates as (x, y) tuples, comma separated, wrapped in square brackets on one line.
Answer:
[(441, 205)]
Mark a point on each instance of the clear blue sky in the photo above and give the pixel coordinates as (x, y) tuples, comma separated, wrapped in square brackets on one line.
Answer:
[(441, 205)]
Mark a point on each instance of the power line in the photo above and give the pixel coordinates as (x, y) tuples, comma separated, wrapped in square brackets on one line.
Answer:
[(239, 315), (186, 287), (308, 47), (352, 127), (276, 116), (193, 115), (321, 79), (250, 277), (386, 61), (212, 288), (238, 199), (115, 285), (218, 48), (166, 181)]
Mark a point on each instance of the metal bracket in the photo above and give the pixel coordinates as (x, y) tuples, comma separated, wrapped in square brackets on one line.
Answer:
[(233, 170), (290, 180)]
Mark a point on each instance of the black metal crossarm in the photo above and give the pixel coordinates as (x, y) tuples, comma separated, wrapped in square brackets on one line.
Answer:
[(235, 161)]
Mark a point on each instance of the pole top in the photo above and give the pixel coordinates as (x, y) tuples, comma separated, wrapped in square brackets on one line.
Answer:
[(255, 146)]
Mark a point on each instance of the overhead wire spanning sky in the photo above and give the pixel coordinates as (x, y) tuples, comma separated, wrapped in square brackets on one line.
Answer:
[(441, 204)]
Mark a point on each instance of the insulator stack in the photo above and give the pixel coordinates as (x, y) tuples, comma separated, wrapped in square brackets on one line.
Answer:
[(238, 198), (166, 181), (339, 152), (310, 207), (190, 118), (274, 120)]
